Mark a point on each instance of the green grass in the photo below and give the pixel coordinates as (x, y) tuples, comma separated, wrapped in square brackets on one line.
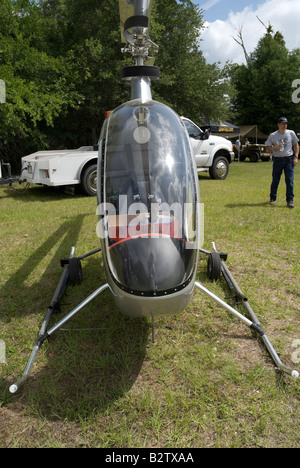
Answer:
[(207, 381)]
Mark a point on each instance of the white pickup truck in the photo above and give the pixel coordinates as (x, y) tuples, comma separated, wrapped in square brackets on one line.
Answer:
[(213, 154), (63, 168), (79, 167)]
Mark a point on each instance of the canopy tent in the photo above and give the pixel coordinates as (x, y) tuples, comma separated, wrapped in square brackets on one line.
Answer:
[(221, 127), (246, 131), (229, 130)]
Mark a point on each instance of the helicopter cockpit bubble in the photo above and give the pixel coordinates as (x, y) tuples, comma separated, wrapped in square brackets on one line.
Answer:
[(148, 205)]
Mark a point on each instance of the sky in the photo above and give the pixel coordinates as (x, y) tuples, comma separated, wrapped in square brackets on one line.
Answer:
[(223, 17)]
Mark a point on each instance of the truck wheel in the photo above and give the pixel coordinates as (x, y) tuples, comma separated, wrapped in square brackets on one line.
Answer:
[(89, 181), (220, 168), (254, 157)]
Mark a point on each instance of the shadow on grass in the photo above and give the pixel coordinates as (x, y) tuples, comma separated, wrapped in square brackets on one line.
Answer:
[(17, 294), (89, 369), (247, 205), (253, 205), (44, 193), (92, 363)]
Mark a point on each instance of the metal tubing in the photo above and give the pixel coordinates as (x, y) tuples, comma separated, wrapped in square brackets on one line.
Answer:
[(226, 273), (59, 292), (240, 293), (207, 252), (42, 333), (141, 88), (273, 354), (265, 339), (280, 365), (77, 309), (61, 287), (16, 386), (142, 7), (88, 254), (224, 304)]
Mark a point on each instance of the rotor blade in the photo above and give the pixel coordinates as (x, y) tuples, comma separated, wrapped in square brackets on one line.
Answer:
[(130, 8)]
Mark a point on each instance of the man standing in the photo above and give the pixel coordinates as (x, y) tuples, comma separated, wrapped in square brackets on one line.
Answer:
[(284, 145)]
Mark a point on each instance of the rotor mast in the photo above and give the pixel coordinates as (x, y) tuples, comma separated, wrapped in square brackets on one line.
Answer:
[(138, 43)]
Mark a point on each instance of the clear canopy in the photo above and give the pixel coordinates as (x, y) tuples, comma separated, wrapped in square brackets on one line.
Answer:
[(149, 191)]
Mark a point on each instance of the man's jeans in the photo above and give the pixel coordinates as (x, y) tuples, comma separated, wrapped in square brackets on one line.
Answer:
[(286, 165)]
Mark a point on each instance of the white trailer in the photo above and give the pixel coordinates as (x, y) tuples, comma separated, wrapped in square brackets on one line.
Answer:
[(62, 168)]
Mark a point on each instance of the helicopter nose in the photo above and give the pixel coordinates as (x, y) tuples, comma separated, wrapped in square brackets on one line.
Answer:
[(151, 266)]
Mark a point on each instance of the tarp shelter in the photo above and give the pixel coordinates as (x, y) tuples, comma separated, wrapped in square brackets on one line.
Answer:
[(229, 130), (253, 132)]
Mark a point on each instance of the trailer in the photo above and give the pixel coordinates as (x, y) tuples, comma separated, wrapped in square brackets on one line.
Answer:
[(66, 168)]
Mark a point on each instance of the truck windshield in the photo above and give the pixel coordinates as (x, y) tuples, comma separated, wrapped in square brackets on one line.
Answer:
[(193, 130)]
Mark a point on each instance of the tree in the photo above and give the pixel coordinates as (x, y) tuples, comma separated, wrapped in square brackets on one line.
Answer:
[(61, 61), (87, 34), (240, 41), (90, 31), (37, 89), (188, 84), (264, 85)]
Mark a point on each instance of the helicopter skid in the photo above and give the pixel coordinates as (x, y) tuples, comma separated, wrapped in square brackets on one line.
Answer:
[(54, 306), (130, 305), (221, 268)]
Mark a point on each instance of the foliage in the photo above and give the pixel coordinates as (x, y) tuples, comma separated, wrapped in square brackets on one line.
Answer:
[(37, 85), (61, 62), (264, 85), (188, 84), (88, 35)]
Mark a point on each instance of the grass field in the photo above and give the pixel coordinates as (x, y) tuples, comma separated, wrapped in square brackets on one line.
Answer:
[(207, 381)]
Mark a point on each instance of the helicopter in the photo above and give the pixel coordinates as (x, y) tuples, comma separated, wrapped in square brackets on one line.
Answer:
[(148, 206)]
